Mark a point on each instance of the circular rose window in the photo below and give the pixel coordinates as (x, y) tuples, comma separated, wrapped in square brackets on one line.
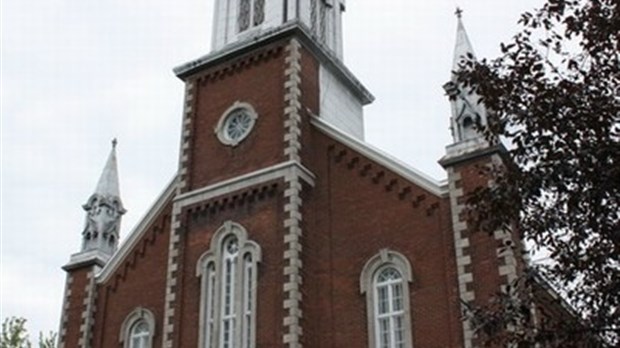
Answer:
[(236, 123)]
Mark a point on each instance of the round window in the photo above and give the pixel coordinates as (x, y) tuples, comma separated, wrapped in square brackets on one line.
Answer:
[(236, 124)]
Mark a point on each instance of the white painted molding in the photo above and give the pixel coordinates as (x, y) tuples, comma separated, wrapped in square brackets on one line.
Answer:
[(280, 170), (382, 158), (303, 34), (220, 129), (214, 256), (386, 258), (136, 315)]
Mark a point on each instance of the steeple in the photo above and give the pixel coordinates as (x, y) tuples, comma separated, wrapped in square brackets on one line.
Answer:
[(467, 112), (242, 20), (103, 211)]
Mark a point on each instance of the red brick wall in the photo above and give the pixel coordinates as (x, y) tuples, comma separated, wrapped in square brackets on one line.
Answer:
[(261, 215), (76, 306), (356, 209), (349, 218), (485, 262), (139, 281), (258, 79)]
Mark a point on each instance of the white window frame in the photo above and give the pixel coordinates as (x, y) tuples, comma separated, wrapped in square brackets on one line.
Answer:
[(368, 286), (138, 315), (210, 269), (251, 15), (220, 128)]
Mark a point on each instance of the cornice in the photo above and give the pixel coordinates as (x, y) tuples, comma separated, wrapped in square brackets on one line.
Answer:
[(281, 170), (292, 28), (414, 176)]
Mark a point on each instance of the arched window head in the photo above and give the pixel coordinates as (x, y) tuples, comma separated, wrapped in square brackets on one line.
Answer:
[(138, 329), (469, 127), (228, 272), (385, 282)]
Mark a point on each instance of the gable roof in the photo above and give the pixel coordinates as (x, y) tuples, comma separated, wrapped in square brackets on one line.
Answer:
[(382, 158), (138, 231)]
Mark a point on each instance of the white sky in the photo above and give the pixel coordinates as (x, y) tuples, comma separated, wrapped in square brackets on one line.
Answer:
[(76, 74)]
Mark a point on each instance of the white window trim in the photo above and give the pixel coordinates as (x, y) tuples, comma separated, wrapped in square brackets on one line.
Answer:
[(386, 258), (214, 256), (138, 314), (220, 130)]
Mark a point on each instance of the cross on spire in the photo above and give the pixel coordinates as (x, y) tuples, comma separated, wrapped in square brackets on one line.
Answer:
[(114, 142), (458, 12)]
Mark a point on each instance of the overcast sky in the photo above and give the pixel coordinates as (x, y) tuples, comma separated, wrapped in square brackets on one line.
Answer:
[(76, 74)]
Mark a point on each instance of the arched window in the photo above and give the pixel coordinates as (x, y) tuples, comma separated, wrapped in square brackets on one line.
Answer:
[(138, 329), (228, 273), (385, 282), (251, 14), (469, 127), (140, 334)]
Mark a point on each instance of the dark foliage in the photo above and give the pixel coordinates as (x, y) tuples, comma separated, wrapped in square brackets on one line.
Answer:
[(554, 96)]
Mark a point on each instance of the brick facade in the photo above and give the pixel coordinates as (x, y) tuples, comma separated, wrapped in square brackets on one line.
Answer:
[(318, 207)]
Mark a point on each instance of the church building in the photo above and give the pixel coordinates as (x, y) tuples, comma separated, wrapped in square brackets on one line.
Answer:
[(282, 227)]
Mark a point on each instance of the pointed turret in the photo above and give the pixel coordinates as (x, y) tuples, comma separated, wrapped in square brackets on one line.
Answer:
[(463, 47), (103, 218), (104, 210), (467, 112)]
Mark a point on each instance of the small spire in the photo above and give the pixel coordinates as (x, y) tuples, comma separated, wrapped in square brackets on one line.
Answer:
[(104, 210), (108, 182), (463, 46), (467, 111)]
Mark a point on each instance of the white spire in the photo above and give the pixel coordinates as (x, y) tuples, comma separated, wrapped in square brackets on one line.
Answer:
[(103, 211), (463, 46), (467, 112), (108, 182)]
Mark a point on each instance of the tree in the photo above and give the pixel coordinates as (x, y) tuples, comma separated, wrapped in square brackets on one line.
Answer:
[(554, 97), (15, 335)]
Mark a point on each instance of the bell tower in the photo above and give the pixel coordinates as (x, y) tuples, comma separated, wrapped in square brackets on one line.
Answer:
[(485, 263), (466, 109), (240, 20), (244, 166), (100, 236)]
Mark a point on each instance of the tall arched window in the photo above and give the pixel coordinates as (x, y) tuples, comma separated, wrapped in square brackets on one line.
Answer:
[(385, 282), (138, 329), (228, 272), (140, 335), (251, 14)]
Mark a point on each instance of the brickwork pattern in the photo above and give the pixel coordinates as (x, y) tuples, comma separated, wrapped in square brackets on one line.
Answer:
[(357, 208)]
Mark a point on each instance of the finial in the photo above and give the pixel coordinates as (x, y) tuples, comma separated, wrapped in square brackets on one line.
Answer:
[(114, 142), (458, 12)]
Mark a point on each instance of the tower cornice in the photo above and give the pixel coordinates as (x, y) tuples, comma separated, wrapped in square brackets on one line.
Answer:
[(291, 29), (472, 153)]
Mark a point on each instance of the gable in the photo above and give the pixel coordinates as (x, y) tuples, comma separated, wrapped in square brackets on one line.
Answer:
[(162, 203), (397, 167)]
